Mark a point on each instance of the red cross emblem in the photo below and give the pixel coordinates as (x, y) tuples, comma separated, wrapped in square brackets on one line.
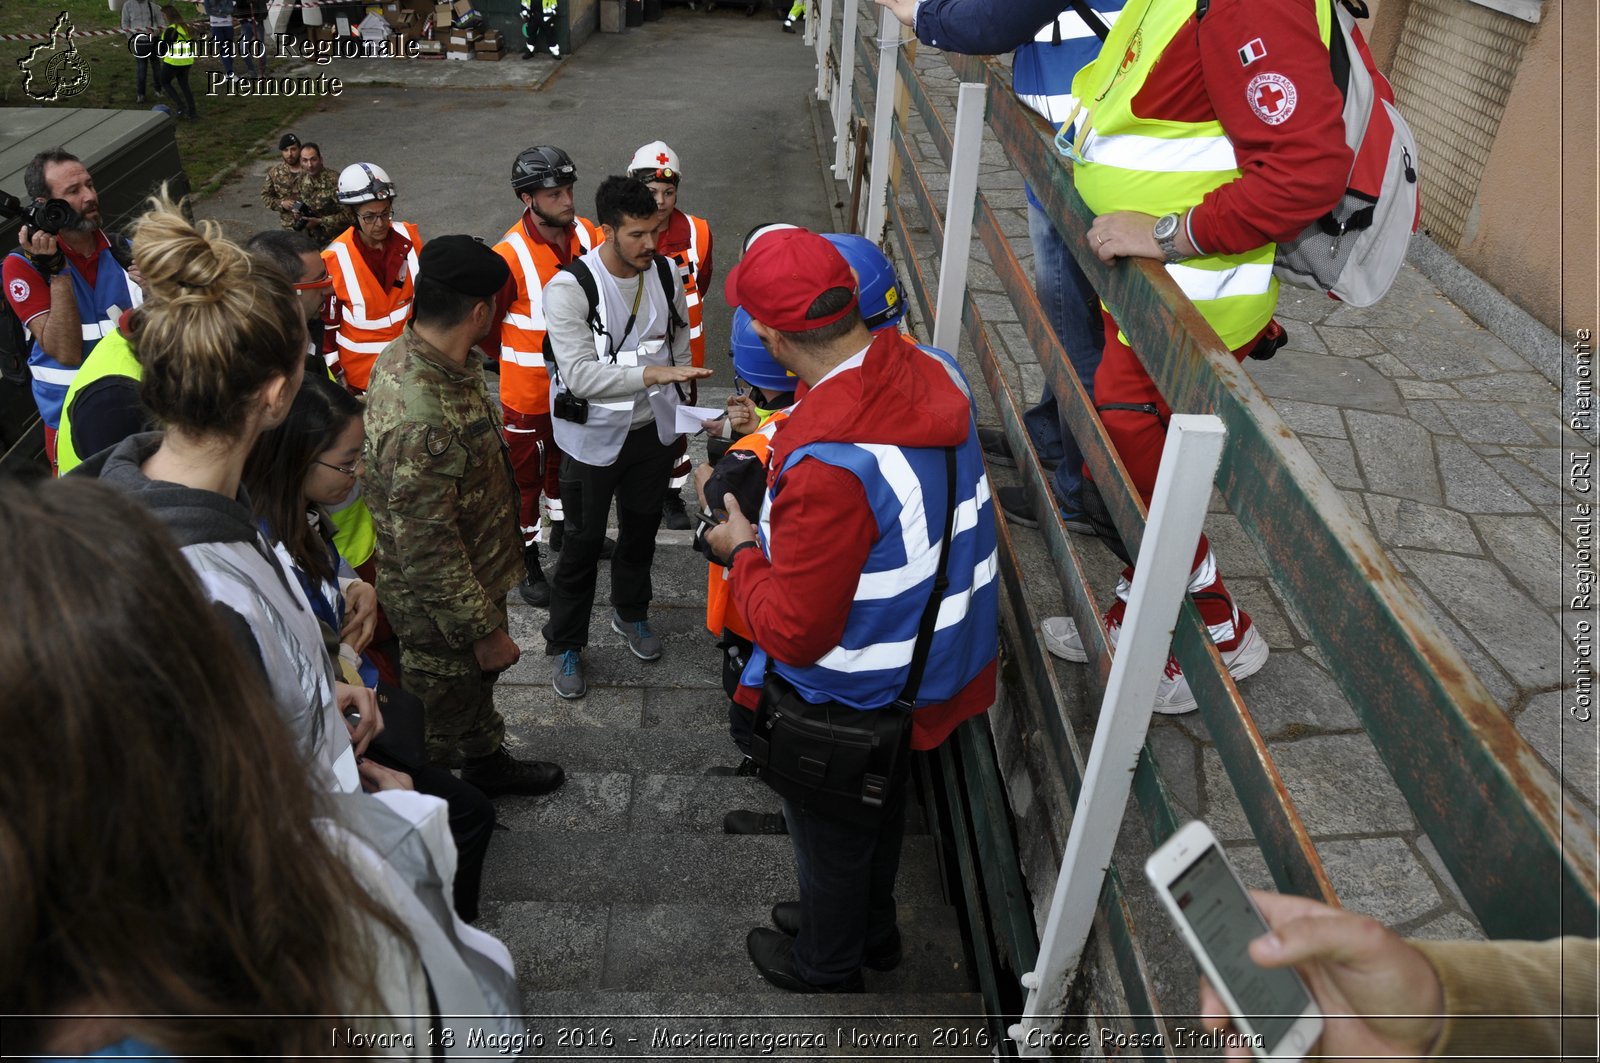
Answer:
[(661, 157), (1272, 97)]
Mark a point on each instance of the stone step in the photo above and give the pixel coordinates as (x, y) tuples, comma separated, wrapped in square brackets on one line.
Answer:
[(695, 948), (581, 866), (776, 1025), (617, 801)]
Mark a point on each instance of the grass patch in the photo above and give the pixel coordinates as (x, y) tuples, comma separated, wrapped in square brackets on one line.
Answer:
[(230, 131)]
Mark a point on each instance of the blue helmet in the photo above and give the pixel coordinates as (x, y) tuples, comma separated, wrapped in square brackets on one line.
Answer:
[(752, 362), (883, 301)]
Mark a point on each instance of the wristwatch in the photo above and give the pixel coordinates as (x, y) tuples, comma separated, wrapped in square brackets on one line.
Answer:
[(1166, 234)]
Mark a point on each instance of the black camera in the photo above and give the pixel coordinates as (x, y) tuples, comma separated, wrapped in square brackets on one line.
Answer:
[(51, 216), (303, 214), (569, 407)]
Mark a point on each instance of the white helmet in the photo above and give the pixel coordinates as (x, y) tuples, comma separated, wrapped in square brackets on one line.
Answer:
[(655, 162), (364, 182)]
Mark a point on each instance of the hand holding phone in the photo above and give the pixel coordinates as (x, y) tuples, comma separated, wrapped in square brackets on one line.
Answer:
[(1272, 1008)]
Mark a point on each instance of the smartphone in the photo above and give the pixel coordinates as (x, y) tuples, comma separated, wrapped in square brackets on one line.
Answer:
[(1272, 1009), (709, 519)]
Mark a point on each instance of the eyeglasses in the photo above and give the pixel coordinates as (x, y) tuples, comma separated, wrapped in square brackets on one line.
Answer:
[(350, 470), (373, 219), (324, 281)]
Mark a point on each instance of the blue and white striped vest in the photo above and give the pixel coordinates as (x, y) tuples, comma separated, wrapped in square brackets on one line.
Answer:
[(1042, 70), (905, 487), (98, 308)]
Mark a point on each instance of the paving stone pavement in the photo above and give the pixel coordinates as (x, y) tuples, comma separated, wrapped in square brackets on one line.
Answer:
[(1449, 444)]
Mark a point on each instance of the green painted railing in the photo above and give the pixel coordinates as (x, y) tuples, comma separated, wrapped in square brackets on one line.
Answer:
[(1522, 853)]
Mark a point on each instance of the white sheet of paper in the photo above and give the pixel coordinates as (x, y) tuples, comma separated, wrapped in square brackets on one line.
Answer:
[(689, 417)]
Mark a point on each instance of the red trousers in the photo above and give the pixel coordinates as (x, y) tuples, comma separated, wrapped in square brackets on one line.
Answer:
[(1139, 437), (536, 463)]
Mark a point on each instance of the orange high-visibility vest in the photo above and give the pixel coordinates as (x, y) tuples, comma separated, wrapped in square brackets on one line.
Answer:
[(370, 316), (720, 611), (524, 379), (688, 262)]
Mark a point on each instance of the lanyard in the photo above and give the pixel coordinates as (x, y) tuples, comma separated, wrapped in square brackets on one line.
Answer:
[(632, 316)]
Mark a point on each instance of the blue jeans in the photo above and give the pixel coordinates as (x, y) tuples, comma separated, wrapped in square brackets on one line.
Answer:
[(252, 48), (223, 35), (1073, 310), (846, 874)]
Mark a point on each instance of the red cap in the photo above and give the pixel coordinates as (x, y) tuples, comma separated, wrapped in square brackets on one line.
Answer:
[(782, 274)]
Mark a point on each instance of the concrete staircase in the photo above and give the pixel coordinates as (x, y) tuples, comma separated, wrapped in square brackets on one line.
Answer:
[(624, 904)]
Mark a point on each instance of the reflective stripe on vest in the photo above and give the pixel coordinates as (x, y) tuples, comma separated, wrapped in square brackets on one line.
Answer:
[(181, 53), (524, 380), (688, 262), (1160, 166), (370, 317), (99, 307), (112, 356), (869, 666), (721, 612)]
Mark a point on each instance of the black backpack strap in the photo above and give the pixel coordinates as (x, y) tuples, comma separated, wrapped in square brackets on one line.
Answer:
[(941, 582), (667, 271), (580, 271), (1092, 18)]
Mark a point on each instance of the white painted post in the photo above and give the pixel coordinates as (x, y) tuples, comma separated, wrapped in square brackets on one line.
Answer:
[(844, 98), (811, 23), (962, 202), (1161, 578), (882, 125), (824, 31)]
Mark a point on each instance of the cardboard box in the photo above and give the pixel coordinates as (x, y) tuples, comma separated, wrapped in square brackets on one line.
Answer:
[(458, 55), (462, 38), (463, 7), (489, 57), (427, 47), (442, 14), (493, 37)]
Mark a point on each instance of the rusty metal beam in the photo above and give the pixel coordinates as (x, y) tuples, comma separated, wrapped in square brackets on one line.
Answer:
[(1278, 828), (1523, 854)]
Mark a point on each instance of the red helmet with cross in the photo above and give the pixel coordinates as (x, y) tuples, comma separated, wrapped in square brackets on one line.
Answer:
[(655, 162)]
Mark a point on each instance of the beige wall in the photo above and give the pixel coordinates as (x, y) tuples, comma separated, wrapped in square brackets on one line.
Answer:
[(1532, 232)]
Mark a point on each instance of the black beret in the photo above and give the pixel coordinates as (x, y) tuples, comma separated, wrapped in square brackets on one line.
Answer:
[(287, 140), (464, 264)]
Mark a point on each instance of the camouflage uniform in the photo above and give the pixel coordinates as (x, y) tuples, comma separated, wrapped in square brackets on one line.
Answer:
[(321, 194), (282, 183), (440, 487)]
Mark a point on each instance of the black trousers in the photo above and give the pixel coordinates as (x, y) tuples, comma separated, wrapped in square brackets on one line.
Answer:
[(635, 479), (471, 825), (846, 873), (178, 82)]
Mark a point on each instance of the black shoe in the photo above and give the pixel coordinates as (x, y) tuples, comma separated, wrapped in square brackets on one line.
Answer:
[(535, 593), (746, 769), (501, 773), (1018, 506), (743, 821), (886, 957), (530, 54), (997, 447), (773, 955), (1019, 510), (673, 514), (789, 25)]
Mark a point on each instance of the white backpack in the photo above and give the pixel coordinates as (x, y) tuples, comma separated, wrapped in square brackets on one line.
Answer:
[(1355, 250)]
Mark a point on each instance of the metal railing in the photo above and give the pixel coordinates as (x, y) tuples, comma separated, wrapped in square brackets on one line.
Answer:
[(1521, 852)]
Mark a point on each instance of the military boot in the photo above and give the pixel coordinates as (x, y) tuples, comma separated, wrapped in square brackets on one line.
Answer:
[(534, 590)]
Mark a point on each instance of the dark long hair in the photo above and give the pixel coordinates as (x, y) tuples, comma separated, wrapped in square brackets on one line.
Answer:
[(158, 855), (275, 474)]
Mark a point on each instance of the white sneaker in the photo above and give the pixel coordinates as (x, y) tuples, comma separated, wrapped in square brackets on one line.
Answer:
[(1061, 638), (1173, 696)]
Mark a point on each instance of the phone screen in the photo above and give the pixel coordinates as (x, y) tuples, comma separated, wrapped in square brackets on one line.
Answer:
[(1224, 922)]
